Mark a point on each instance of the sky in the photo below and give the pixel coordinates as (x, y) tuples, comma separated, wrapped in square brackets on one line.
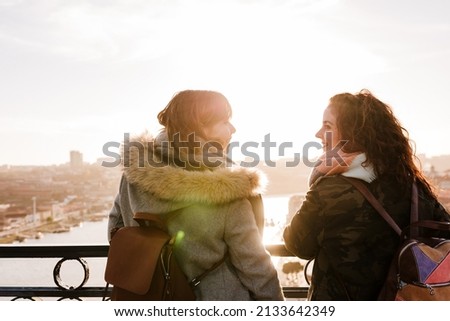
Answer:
[(75, 75)]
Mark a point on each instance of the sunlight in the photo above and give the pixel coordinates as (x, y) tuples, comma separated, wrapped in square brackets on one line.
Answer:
[(277, 73), (278, 62)]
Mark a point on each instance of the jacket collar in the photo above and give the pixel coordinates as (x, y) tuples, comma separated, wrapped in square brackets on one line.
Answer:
[(357, 170)]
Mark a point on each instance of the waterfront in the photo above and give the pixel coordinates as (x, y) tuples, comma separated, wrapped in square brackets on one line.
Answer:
[(39, 271), (276, 211)]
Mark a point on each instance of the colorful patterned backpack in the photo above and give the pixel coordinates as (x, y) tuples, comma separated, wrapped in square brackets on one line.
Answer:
[(420, 270)]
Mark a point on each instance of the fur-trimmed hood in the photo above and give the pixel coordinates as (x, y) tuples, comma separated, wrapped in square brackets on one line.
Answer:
[(150, 166)]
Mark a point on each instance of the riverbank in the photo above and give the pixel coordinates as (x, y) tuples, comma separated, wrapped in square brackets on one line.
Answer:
[(37, 231)]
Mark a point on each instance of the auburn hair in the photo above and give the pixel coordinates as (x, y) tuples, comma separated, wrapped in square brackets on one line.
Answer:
[(190, 111)]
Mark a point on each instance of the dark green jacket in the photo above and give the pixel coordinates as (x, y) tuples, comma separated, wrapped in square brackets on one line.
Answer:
[(351, 243)]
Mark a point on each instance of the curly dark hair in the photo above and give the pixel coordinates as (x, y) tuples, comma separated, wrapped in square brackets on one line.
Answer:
[(370, 126)]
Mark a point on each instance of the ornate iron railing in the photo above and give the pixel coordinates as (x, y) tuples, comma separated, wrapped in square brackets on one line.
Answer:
[(79, 253)]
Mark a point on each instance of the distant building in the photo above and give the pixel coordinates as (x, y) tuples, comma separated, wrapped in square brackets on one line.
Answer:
[(76, 159)]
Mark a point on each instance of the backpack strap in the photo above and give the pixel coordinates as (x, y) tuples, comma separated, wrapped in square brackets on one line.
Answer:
[(154, 220), (414, 203), (196, 281), (414, 219), (413, 229), (359, 185), (148, 219)]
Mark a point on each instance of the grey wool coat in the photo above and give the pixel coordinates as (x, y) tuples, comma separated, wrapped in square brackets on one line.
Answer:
[(210, 212)]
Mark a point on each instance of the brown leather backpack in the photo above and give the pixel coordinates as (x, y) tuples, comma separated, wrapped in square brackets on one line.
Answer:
[(141, 264)]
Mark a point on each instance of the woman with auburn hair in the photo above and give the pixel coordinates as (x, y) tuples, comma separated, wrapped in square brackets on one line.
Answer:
[(214, 208), (351, 243)]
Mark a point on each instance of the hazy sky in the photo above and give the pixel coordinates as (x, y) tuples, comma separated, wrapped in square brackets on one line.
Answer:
[(77, 74)]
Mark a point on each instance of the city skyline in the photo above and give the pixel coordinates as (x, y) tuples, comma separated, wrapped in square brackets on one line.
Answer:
[(77, 75)]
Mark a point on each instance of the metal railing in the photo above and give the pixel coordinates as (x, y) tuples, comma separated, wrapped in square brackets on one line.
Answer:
[(79, 253)]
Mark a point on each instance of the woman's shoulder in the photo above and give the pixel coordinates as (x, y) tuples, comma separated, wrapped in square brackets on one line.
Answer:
[(331, 184), (335, 191), (242, 205), (431, 208)]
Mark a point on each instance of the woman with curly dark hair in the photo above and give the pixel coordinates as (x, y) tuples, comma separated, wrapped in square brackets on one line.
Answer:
[(351, 243)]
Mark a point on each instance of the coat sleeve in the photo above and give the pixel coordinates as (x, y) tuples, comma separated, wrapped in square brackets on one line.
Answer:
[(431, 209), (301, 235), (115, 219), (248, 255)]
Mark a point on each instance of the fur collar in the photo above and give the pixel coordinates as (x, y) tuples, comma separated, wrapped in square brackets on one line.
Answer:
[(144, 167)]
